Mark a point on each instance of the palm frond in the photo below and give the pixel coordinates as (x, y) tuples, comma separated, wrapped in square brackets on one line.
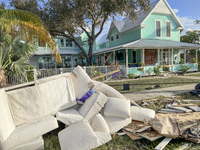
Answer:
[(19, 67)]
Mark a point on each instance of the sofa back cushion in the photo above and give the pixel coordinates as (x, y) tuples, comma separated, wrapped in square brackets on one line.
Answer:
[(7, 125), (31, 103), (81, 81)]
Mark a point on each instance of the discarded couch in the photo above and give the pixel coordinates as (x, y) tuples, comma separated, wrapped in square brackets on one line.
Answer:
[(29, 112)]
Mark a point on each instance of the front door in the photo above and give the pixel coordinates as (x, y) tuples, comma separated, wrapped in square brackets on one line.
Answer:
[(150, 56), (166, 56)]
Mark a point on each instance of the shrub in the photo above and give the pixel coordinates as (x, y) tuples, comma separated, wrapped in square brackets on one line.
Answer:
[(140, 69), (142, 63), (193, 60), (184, 69), (96, 74), (157, 70), (131, 76), (182, 61), (149, 71), (30, 73)]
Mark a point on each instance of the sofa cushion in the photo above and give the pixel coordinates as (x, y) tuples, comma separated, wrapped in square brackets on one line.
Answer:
[(78, 136), (7, 125), (116, 107), (99, 124), (40, 100), (81, 81), (103, 137), (30, 131), (116, 123), (141, 114), (93, 105), (69, 116)]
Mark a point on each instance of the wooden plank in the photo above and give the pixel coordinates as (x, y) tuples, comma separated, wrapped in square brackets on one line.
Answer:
[(112, 72), (149, 135), (163, 144), (106, 60), (132, 135), (98, 59)]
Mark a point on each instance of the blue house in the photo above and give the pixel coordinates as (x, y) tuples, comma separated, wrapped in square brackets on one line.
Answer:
[(68, 50), (153, 39)]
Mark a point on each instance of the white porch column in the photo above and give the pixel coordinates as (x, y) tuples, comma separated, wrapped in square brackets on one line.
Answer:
[(196, 55), (178, 56), (184, 56), (172, 58), (143, 56), (126, 73), (104, 59), (162, 55), (169, 57), (158, 56), (114, 57)]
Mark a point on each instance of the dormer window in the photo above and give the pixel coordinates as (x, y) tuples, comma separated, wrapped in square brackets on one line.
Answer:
[(111, 38), (61, 42), (117, 36), (158, 28), (168, 29)]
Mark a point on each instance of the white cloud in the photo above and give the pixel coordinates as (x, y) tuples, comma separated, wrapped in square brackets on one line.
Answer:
[(188, 24), (175, 10)]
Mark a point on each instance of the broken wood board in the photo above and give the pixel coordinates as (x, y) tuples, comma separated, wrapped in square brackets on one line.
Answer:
[(171, 110), (112, 72), (132, 135), (194, 108), (191, 100), (149, 134), (163, 144), (182, 117), (178, 108)]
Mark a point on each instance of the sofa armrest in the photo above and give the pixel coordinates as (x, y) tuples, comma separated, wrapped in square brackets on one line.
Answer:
[(30, 131), (108, 90)]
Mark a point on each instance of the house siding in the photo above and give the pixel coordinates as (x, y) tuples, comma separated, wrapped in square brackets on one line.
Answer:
[(123, 38), (149, 31)]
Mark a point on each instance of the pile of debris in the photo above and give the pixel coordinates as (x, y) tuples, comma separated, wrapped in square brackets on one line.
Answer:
[(176, 120)]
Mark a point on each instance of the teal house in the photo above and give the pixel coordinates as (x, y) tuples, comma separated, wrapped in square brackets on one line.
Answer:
[(153, 39), (68, 50)]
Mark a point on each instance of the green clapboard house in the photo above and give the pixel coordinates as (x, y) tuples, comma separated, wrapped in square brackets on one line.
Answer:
[(153, 39)]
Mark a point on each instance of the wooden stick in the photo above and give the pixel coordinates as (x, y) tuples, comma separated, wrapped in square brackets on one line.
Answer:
[(106, 60), (98, 59), (112, 72), (184, 105)]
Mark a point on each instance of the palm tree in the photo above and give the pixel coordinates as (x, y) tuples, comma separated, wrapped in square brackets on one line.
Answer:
[(29, 28), (13, 55)]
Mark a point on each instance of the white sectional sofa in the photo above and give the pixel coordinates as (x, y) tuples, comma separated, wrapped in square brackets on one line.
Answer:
[(28, 112)]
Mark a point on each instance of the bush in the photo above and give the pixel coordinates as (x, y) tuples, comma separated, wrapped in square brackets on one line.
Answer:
[(30, 73), (157, 70), (142, 63), (96, 74), (149, 71), (193, 60), (131, 76), (184, 69), (182, 61)]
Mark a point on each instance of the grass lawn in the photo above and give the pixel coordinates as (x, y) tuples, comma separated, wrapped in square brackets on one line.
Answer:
[(142, 84), (195, 75)]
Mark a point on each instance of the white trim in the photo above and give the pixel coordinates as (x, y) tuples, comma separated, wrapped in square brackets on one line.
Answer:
[(166, 29), (160, 28), (134, 29), (136, 55)]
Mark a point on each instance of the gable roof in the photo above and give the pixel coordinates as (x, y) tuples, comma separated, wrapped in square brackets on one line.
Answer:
[(159, 6), (102, 39)]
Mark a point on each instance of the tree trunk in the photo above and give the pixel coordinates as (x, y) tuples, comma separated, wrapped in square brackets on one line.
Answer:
[(2, 78)]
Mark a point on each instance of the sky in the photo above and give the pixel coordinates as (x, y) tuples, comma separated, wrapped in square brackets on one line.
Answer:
[(187, 12)]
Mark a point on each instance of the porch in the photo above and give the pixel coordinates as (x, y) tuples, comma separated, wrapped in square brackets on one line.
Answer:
[(151, 53)]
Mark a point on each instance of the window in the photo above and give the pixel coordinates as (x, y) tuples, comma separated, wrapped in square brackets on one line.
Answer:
[(75, 44), (117, 36), (41, 43), (168, 29), (61, 42), (111, 38), (134, 56), (158, 28), (68, 43)]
